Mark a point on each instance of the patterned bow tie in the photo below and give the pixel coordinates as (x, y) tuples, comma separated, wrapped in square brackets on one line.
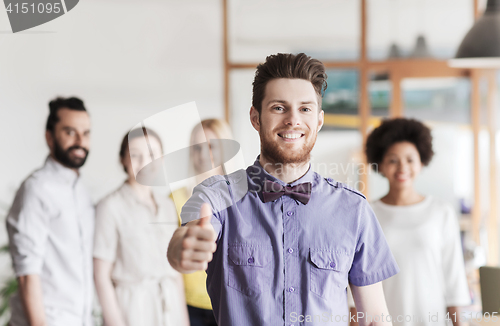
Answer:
[(273, 190)]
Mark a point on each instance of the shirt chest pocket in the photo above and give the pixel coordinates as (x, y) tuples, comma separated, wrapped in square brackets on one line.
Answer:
[(329, 272), (250, 270)]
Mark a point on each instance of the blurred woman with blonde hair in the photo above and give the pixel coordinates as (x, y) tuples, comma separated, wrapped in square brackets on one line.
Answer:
[(203, 158)]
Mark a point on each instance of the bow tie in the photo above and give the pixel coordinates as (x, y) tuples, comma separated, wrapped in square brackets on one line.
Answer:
[(273, 190)]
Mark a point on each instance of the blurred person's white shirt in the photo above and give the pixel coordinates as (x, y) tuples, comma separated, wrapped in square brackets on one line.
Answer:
[(51, 227), (134, 239), (425, 240)]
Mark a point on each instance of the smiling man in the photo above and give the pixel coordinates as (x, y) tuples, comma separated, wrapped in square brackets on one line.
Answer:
[(51, 227), (284, 243)]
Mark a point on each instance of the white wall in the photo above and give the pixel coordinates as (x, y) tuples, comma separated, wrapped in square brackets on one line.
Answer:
[(126, 59)]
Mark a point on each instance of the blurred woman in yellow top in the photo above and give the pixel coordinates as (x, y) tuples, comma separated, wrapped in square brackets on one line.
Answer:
[(198, 301)]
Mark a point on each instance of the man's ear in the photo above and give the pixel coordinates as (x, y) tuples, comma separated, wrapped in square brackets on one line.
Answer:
[(254, 118), (49, 138), (321, 119)]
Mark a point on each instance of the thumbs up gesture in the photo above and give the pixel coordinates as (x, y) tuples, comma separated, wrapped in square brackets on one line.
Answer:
[(205, 216), (192, 246)]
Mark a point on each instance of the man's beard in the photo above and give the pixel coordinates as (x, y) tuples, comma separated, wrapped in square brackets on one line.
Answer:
[(276, 154), (63, 156)]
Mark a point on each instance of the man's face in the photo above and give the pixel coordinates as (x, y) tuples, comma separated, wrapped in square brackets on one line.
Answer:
[(69, 143), (289, 121)]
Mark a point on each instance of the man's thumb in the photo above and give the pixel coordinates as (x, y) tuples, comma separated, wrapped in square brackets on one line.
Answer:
[(205, 215)]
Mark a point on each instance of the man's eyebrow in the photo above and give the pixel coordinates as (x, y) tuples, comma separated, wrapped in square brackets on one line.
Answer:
[(68, 128), (285, 102), (277, 101)]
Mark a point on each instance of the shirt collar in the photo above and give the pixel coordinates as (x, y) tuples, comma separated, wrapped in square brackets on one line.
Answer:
[(258, 174), (67, 174)]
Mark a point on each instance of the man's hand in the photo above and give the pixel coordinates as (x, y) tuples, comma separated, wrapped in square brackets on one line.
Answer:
[(192, 246)]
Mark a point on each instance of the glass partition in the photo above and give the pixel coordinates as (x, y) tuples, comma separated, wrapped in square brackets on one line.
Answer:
[(437, 99), (395, 25), (324, 29)]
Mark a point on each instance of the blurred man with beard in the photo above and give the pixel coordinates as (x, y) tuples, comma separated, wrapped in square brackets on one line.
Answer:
[(51, 226), (287, 241)]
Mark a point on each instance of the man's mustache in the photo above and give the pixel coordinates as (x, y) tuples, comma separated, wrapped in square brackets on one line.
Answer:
[(78, 147)]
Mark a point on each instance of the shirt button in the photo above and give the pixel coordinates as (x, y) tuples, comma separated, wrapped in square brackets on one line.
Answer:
[(291, 289), (251, 260), (289, 213), (332, 264), (290, 250)]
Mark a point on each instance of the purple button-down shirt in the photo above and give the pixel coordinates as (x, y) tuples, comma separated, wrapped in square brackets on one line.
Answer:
[(283, 262)]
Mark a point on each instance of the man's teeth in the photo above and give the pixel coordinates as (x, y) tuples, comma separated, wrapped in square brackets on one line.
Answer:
[(291, 136)]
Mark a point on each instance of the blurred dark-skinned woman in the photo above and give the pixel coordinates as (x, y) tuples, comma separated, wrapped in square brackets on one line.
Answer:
[(421, 230)]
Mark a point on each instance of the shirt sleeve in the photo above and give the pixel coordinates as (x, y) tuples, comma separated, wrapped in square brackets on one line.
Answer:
[(373, 261), (28, 225), (106, 232), (203, 193), (456, 288)]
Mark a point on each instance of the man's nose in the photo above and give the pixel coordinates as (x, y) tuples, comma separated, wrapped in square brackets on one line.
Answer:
[(77, 140), (292, 118), (82, 140)]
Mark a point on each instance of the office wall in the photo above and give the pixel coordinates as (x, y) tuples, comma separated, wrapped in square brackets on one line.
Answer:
[(126, 59)]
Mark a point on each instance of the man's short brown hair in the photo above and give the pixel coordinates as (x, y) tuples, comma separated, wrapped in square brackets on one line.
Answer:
[(286, 65)]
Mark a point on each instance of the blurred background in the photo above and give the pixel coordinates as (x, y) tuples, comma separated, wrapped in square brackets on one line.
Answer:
[(129, 60)]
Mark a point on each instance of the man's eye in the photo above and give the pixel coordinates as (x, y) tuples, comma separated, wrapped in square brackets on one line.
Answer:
[(306, 109), (278, 108)]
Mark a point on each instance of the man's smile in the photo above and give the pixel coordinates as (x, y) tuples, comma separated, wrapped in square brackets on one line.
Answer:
[(290, 136)]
